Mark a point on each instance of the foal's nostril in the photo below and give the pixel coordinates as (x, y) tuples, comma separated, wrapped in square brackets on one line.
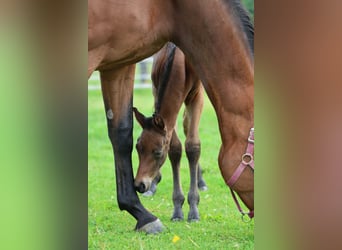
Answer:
[(141, 188)]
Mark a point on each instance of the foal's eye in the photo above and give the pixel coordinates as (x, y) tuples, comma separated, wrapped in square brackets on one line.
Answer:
[(158, 153)]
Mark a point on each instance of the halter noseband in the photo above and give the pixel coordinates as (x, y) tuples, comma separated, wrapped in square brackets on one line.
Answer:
[(246, 160)]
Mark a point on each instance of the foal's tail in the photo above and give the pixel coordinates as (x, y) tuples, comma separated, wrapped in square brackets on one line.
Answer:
[(161, 77)]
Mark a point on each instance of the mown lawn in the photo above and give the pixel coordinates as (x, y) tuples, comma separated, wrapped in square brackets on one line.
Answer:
[(220, 226)]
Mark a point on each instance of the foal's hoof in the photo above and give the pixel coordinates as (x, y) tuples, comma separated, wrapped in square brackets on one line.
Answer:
[(193, 217), (148, 193), (193, 220), (202, 186), (153, 227), (177, 219)]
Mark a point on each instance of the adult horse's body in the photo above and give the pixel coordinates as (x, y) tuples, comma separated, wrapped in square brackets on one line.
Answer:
[(212, 34), (174, 82)]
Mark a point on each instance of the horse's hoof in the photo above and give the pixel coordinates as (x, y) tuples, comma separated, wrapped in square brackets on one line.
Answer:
[(153, 227)]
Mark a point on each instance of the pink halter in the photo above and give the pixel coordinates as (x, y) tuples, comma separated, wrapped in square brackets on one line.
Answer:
[(247, 160)]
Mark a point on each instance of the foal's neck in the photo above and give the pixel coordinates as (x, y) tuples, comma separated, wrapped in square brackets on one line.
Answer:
[(169, 110)]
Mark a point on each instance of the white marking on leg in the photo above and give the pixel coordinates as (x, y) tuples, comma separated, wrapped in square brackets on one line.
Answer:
[(110, 114)]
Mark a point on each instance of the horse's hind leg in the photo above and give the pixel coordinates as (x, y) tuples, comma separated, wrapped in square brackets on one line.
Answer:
[(117, 91), (175, 154)]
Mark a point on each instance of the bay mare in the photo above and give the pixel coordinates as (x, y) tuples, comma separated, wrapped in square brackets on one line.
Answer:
[(174, 82), (216, 38)]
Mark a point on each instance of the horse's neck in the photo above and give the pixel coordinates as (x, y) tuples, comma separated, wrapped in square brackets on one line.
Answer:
[(216, 49), (206, 39)]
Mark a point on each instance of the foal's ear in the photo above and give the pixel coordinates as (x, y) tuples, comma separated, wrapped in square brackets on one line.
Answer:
[(140, 117), (158, 121)]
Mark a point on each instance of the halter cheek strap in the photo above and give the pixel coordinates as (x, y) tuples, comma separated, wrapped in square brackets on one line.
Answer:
[(246, 160)]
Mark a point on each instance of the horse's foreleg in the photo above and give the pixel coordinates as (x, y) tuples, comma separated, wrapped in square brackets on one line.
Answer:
[(175, 154), (117, 91)]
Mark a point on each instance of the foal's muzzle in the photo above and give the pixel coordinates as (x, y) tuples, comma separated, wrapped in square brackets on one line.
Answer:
[(141, 187)]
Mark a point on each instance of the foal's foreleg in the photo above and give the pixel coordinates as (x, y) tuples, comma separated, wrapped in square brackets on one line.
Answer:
[(117, 91), (175, 154), (193, 151), (187, 127)]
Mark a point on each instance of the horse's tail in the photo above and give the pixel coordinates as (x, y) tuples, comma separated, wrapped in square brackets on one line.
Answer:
[(161, 77)]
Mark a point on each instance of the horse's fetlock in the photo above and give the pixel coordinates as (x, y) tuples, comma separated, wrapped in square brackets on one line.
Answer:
[(125, 203)]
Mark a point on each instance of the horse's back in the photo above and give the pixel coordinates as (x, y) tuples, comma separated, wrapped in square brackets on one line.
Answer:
[(124, 32)]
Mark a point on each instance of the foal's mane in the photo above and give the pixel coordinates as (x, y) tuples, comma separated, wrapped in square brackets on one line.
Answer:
[(165, 75), (242, 15)]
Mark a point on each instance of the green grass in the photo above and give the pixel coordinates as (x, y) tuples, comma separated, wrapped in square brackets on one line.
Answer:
[(220, 226)]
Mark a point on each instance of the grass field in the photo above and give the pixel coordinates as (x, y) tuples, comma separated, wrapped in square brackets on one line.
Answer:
[(220, 226)]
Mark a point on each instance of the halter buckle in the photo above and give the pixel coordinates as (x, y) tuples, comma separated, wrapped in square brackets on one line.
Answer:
[(248, 156)]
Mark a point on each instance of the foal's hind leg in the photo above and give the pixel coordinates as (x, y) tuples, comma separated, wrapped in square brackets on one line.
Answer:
[(200, 181), (117, 91), (175, 154)]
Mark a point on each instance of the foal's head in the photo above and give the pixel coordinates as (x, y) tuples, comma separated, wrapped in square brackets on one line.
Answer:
[(152, 147)]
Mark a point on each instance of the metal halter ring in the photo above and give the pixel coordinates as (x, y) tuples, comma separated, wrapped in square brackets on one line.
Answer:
[(247, 155)]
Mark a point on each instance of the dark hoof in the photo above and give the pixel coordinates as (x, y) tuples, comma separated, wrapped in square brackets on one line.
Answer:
[(153, 227), (177, 219), (177, 215), (193, 220), (148, 193), (193, 217), (202, 186)]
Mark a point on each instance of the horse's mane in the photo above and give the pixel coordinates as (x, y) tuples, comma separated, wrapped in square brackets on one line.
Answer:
[(243, 16), (165, 75)]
